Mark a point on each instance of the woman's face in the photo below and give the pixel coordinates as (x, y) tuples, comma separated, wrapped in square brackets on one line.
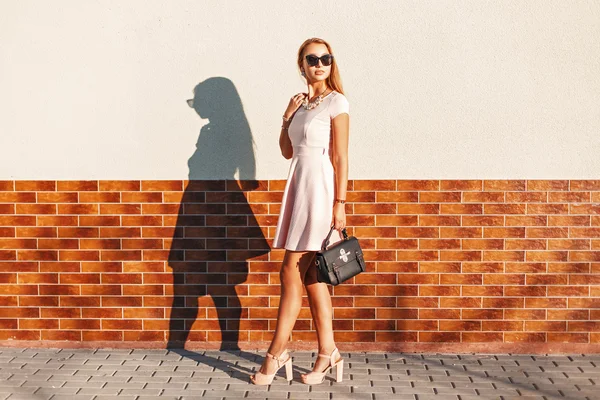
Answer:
[(319, 72)]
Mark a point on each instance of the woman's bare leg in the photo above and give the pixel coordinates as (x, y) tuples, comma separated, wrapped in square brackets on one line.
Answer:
[(293, 269), (322, 312)]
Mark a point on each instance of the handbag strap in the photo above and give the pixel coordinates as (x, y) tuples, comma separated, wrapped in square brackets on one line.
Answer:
[(326, 241)]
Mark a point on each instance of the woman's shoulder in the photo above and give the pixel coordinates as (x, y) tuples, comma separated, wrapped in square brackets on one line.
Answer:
[(338, 104), (337, 97)]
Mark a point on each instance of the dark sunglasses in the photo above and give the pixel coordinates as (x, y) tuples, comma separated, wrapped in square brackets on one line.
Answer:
[(313, 61)]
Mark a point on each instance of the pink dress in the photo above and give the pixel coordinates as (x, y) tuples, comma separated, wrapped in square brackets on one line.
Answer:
[(307, 205)]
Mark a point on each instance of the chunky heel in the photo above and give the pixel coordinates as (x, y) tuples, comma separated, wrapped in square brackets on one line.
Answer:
[(315, 377), (339, 370), (288, 370)]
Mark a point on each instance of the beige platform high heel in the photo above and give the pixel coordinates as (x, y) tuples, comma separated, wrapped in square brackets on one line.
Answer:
[(263, 379), (315, 377)]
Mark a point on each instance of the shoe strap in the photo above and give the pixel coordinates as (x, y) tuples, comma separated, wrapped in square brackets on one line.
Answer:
[(280, 360), (330, 356)]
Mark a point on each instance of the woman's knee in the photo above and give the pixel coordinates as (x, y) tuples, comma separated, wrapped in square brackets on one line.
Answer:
[(290, 270)]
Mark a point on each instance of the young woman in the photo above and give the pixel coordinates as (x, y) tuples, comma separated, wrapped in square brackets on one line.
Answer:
[(314, 134)]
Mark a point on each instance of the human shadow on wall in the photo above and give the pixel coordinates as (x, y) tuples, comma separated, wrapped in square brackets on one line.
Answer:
[(216, 231)]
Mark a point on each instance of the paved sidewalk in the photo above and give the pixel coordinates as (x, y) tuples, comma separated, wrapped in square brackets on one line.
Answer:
[(39, 374)]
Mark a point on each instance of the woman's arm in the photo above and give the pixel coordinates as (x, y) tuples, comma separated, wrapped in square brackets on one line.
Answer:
[(341, 127), (285, 144)]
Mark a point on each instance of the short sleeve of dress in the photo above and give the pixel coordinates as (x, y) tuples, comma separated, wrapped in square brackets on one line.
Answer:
[(339, 104)]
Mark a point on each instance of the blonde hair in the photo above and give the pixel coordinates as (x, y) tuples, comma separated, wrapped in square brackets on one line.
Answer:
[(333, 80)]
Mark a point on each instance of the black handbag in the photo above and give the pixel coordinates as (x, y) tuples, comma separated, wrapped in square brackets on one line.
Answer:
[(341, 261)]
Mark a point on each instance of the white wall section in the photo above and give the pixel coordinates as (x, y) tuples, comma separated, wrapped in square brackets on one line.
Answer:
[(438, 89)]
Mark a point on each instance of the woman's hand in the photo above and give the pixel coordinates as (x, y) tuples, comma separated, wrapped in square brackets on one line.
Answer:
[(295, 103), (339, 216)]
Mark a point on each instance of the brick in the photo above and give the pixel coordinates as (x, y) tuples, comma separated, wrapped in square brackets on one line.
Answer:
[(526, 244), (529, 291), (460, 302), (439, 244), (526, 197), (445, 313), (378, 185), (504, 302), (18, 244), (504, 185), (461, 185), (393, 243), (581, 267), (17, 221), (445, 337), (568, 291), (482, 337), (450, 255), (56, 220), (485, 267), (505, 209), (545, 302), (120, 209), (526, 267), (483, 197), (29, 278), (428, 267), (35, 209), (499, 255), (421, 185), (504, 279), (439, 290), (60, 266), (563, 337), (79, 255), (384, 197), (546, 326), (57, 244), (444, 220), (7, 232), (156, 185), (486, 291), (527, 314), (568, 315), (37, 255), (547, 185), (583, 326), (482, 314), (461, 279), (35, 185), (546, 279), (370, 208), (568, 220), (460, 326), (76, 186)]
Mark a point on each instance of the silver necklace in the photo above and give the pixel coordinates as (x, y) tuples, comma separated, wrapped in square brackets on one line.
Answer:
[(310, 105)]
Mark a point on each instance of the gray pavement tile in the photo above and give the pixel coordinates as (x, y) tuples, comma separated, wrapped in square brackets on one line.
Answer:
[(99, 392), (158, 398), (354, 395), (309, 395), (112, 397)]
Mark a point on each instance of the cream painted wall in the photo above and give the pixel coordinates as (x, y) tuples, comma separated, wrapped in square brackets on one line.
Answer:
[(437, 89)]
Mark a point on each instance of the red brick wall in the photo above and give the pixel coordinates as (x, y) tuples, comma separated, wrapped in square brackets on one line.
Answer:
[(451, 264)]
